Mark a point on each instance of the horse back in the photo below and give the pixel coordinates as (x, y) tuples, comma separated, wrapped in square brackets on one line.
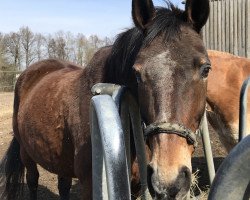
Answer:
[(227, 74), (34, 73)]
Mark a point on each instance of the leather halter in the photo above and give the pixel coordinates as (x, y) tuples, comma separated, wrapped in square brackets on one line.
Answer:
[(169, 128)]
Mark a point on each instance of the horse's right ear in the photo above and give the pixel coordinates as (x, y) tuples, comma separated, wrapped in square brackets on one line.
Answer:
[(143, 11), (197, 12)]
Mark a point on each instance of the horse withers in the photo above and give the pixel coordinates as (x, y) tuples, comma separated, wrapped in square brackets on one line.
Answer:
[(162, 60)]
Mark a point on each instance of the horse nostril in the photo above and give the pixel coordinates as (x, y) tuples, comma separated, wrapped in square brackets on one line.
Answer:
[(185, 174), (183, 180), (149, 179), (182, 183), (173, 191)]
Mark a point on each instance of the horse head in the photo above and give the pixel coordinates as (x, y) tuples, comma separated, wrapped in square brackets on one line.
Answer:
[(165, 64)]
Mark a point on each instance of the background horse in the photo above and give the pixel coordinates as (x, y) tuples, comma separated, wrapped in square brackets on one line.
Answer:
[(224, 84), (165, 65)]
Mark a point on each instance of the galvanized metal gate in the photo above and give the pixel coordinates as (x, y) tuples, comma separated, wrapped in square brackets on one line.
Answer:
[(114, 113)]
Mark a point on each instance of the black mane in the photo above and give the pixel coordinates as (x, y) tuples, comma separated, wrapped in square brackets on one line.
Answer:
[(127, 45)]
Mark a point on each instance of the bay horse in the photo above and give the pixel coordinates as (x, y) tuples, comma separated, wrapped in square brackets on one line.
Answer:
[(224, 84), (162, 60)]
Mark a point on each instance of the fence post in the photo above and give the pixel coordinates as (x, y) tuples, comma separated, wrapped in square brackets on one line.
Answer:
[(207, 148)]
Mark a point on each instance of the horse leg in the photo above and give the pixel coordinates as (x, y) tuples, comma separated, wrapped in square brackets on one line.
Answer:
[(32, 174), (86, 185), (64, 185), (83, 169), (85, 178)]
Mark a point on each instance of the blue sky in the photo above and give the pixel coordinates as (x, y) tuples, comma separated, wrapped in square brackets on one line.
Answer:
[(101, 17)]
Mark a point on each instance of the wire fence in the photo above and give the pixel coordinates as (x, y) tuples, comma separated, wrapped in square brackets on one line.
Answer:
[(8, 80)]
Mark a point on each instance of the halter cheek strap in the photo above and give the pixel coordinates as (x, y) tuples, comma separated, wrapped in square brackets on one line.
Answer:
[(169, 128)]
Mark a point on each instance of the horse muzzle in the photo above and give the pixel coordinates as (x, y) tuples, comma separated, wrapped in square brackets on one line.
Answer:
[(169, 172), (177, 189)]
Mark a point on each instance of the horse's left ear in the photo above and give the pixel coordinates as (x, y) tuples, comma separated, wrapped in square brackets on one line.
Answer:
[(197, 12), (143, 11)]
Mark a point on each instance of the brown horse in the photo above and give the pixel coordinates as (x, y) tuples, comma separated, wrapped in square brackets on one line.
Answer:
[(224, 85), (165, 65)]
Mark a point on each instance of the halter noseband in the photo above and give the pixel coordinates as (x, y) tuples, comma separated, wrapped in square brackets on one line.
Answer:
[(169, 128)]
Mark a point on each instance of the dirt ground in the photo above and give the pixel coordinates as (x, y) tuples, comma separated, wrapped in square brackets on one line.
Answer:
[(48, 182)]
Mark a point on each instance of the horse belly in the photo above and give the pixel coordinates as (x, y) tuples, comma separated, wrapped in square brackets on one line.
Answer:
[(45, 138), (54, 154)]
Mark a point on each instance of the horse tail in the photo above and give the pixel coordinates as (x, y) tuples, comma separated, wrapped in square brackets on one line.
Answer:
[(11, 166), (12, 172)]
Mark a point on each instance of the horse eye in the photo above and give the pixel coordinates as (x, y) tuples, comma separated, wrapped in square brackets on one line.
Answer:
[(205, 70)]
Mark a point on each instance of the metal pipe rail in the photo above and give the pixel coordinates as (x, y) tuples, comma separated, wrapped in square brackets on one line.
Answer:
[(207, 148), (232, 180), (129, 116), (243, 109), (108, 146)]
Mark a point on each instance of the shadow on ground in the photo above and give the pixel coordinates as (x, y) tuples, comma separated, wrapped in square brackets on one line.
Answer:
[(45, 193)]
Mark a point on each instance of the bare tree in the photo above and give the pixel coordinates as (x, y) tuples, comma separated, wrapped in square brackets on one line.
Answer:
[(40, 46), (89, 52), (2, 49), (81, 46), (60, 48), (108, 41), (7, 70), (57, 46), (24, 47), (27, 41), (51, 47), (95, 41), (3, 61), (70, 48), (12, 46)]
